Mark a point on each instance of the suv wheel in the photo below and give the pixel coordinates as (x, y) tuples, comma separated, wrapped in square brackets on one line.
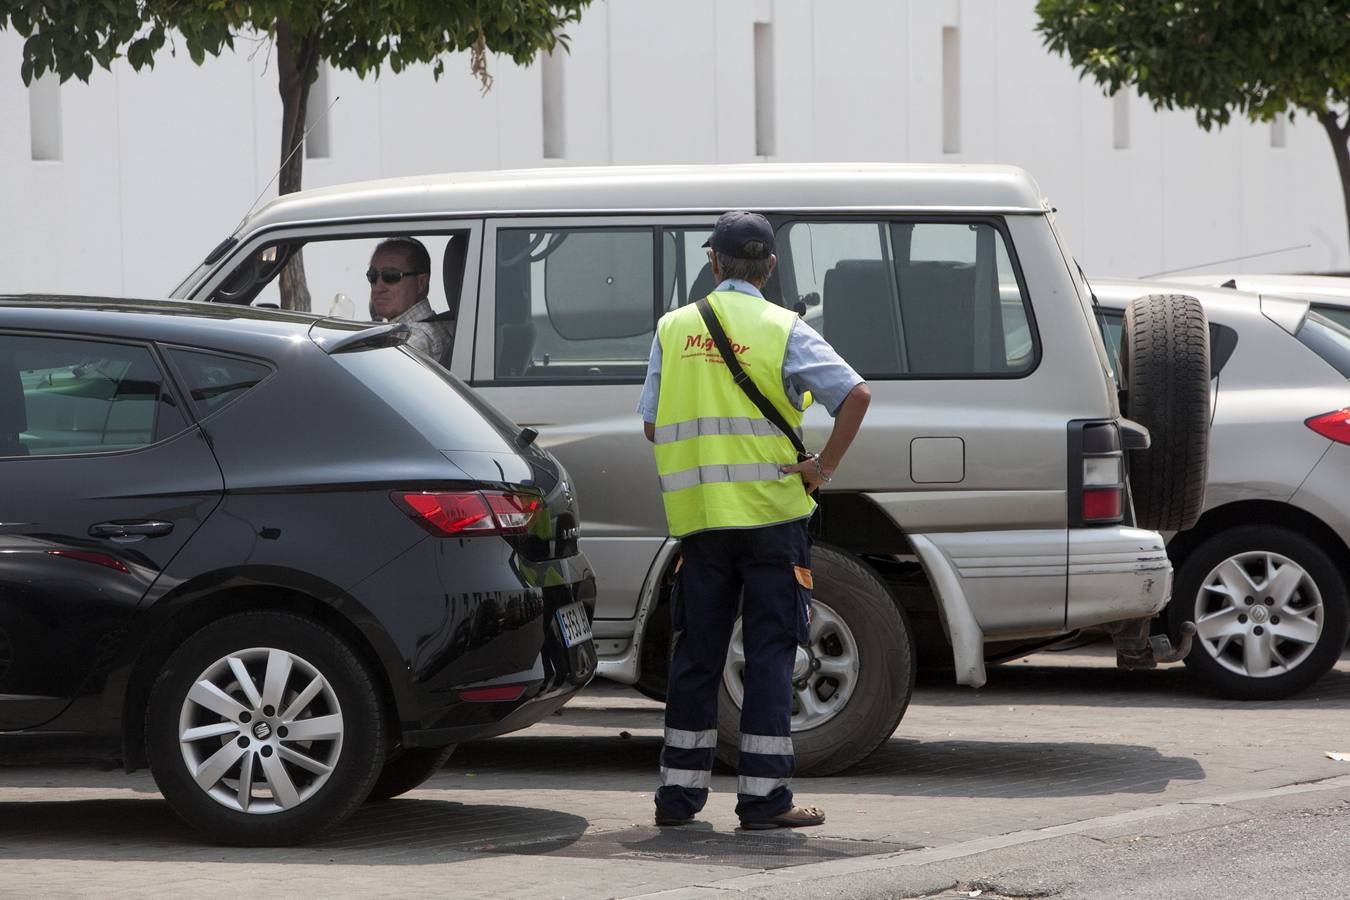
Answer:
[(409, 770), (264, 729), (850, 703), (1164, 355), (1269, 608)]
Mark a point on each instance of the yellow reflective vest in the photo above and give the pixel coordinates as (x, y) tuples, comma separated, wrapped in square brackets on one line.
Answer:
[(718, 457)]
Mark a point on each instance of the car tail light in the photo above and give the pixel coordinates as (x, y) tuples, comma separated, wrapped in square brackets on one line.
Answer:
[(1094, 450), (1101, 505), (495, 694), (468, 513), (1334, 425)]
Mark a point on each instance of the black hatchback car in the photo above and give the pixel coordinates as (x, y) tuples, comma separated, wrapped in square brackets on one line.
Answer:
[(287, 562)]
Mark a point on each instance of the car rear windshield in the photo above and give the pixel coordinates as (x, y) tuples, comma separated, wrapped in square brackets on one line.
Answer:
[(432, 400), (1328, 340)]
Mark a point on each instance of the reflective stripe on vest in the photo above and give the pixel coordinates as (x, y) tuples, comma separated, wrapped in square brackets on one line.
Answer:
[(709, 425), (718, 458), (718, 474)]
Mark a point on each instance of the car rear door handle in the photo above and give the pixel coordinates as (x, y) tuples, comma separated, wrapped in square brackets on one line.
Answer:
[(131, 529)]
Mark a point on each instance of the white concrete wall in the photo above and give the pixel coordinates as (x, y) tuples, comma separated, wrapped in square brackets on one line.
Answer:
[(157, 167)]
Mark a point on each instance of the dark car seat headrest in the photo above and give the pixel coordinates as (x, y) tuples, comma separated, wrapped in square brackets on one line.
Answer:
[(860, 316)]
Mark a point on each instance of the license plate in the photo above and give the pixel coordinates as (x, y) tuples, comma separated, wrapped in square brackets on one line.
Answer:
[(573, 624)]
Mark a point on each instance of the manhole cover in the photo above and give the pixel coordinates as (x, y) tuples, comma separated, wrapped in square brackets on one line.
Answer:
[(700, 845)]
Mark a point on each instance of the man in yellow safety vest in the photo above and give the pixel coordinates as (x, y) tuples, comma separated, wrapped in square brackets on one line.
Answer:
[(736, 493)]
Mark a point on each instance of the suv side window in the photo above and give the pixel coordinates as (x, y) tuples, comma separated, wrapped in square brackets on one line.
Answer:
[(213, 381), (574, 304), (921, 299), (63, 396)]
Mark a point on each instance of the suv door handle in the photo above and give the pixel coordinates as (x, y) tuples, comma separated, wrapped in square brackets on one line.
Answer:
[(131, 529)]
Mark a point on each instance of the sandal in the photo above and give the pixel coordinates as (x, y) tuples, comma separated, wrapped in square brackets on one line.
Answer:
[(796, 817)]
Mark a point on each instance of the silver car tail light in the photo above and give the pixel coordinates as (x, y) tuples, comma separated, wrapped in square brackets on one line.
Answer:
[(1334, 425)]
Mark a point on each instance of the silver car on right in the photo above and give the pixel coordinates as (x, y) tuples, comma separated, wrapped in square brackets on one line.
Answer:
[(1263, 573)]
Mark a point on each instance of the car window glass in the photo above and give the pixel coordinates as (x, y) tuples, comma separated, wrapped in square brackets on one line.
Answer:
[(1112, 323), (574, 303), (910, 299), (213, 381), (686, 274), (1328, 340), (1338, 314), (431, 399), (63, 396), (335, 272)]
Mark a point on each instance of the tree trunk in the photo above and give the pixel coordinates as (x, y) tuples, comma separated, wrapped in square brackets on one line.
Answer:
[(1340, 147), (297, 67)]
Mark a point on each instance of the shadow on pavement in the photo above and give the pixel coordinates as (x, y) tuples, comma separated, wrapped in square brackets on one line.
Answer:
[(899, 767), (398, 832), (1099, 685)]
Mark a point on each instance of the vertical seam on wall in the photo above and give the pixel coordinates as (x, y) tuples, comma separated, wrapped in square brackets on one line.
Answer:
[(812, 38), (121, 185), (253, 124), (609, 82), (717, 109)]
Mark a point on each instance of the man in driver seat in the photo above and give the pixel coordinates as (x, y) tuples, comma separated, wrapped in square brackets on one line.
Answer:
[(400, 277)]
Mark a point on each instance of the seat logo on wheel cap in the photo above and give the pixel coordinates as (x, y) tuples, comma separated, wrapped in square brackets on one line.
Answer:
[(262, 731)]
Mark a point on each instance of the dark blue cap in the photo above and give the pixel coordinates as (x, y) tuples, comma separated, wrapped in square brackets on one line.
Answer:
[(742, 235)]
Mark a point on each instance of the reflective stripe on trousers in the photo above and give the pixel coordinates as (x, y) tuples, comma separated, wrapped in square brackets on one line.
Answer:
[(716, 474), (686, 778), (716, 425), (691, 740), (766, 764), (759, 787)]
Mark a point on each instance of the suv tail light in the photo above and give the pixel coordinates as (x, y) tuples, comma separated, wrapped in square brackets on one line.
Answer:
[(1097, 474), (468, 513), (1334, 425)]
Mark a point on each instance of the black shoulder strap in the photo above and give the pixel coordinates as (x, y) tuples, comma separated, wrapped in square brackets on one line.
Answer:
[(743, 380)]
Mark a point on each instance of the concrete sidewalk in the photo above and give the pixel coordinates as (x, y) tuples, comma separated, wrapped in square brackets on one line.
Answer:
[(1055, 746)]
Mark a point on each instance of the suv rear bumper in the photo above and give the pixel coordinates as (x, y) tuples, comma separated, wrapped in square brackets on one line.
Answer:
[(1032, 584)]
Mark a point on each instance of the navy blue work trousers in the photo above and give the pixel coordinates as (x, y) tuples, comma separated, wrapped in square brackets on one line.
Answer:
[(765, 573)]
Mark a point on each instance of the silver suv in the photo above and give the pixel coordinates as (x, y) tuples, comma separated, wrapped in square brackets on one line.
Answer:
[(986, 507)]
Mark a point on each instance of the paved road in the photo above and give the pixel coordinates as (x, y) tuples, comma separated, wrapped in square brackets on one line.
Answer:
[(1059, 758)]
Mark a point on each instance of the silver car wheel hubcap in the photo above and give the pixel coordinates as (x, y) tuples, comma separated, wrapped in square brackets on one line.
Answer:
[(824, 673), (260, 730), (1258, 614)]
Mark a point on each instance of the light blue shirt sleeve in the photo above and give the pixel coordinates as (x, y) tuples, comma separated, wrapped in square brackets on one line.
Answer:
[(811, 364), (651, 388)]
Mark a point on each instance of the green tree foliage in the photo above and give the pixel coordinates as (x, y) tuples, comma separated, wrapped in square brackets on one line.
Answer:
[(1258, 58), (71, 37)]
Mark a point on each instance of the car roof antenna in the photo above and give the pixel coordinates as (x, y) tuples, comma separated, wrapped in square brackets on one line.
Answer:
[(1219, 262), (230, 239)]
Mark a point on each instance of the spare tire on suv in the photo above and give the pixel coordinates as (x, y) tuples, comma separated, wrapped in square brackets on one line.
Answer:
[(1164, 359)]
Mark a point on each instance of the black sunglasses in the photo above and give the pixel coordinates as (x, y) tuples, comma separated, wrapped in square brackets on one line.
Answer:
[(389, 275)]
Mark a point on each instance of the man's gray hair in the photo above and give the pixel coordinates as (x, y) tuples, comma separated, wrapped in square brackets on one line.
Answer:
[(755, 271)]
